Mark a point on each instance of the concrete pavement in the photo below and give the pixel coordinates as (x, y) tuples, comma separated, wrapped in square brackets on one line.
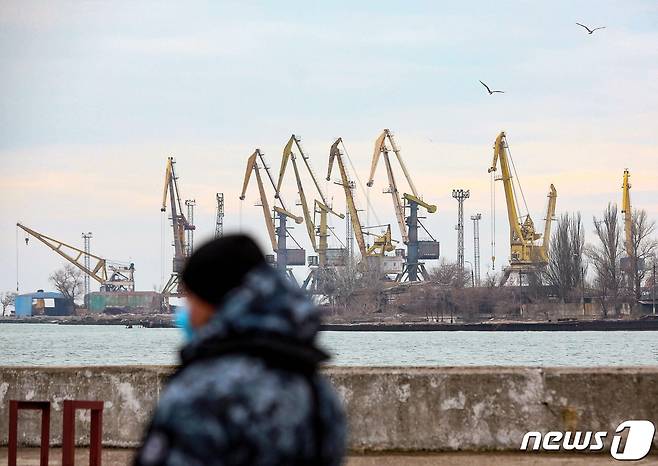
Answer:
[(121, 457)]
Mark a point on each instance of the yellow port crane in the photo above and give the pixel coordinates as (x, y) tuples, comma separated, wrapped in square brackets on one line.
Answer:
[(628, 213), (180, 225), (382, 243), (631, 263), (526, 255), (408, 225), (111, 276), (277, 236), (320, 206)]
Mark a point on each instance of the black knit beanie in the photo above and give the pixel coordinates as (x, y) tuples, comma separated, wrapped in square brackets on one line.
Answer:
[(220, 265)]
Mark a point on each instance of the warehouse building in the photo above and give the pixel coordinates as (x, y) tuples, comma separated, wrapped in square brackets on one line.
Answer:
[(43, 303)]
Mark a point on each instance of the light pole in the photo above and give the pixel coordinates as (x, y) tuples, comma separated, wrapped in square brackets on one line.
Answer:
[(582, 280), (87, 245), (476, 245), (653, 288), (582, 286), (460, 195), (472, 275)]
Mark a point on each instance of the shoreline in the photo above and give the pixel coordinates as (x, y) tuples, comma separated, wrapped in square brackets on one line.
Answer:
[(648, 323)]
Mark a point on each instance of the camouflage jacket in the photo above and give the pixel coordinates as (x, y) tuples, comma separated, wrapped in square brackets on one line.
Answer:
[(247, 391)]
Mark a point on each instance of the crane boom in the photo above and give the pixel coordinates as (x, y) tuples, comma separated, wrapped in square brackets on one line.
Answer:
[(550, 215), (398, 208), (120, 278), (382, 244), (335, 154), (319, 206), (382, 149), (500, 155), (523, 250), (252, 167), (288, 154), (628, 213), (431, 208), (180, 225)]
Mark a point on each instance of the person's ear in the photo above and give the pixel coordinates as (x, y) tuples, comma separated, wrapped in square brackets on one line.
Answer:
[(200, 310)]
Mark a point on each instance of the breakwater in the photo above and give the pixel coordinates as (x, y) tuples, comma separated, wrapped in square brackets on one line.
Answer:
[(389, 409)]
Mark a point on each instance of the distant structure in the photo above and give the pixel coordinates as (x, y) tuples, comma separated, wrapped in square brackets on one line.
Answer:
[(476, 246), (43, 303), (460, 195), (190, 204), (219, 220), (349, 228), (111, 276), (180, 226), (87, 247)]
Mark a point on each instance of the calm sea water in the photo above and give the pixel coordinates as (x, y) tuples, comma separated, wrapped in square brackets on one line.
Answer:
[(51, 344)]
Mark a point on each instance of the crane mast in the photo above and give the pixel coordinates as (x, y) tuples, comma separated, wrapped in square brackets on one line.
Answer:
[(548, 222), (110, 276), (252, 167), (180, 226), (525, 255)]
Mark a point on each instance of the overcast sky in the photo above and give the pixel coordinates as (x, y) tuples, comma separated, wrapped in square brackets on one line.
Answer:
[(96, 95)]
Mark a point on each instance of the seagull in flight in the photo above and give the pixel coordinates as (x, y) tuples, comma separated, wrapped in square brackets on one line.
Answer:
[(489, 90), (590, 31)]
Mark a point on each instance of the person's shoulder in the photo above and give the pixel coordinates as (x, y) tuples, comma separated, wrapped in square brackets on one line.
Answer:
[(206, 382), (225, 376), (233, 388)]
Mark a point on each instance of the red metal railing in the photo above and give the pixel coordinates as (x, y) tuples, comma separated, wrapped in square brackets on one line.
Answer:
[(14, 407), (68, 431)]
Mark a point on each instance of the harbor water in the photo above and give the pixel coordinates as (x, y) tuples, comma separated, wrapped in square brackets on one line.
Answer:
[(57, 345)]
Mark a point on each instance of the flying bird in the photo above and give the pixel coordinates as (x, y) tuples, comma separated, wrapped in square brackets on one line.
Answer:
[(489, 90), (590, 31)]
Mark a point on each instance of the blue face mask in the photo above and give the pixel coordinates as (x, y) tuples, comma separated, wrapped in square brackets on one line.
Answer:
[(182, 321)]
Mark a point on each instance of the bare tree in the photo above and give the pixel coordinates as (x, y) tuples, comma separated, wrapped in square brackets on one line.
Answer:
[(346, 282), (7, 299), (643, 248), (565, 267), (68, 281), (491, 280), (450, 274), (605, 258)]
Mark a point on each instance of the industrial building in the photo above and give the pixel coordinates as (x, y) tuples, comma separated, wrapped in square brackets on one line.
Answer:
[(138, 302), (43, 303)]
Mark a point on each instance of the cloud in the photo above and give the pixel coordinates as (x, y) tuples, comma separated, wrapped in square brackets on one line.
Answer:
[(95, 98)]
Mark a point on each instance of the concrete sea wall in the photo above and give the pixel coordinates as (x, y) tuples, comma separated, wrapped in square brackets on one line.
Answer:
[(389, 409)]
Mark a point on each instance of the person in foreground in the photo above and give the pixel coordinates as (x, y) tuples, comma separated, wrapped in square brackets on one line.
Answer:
[(248, 391)]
